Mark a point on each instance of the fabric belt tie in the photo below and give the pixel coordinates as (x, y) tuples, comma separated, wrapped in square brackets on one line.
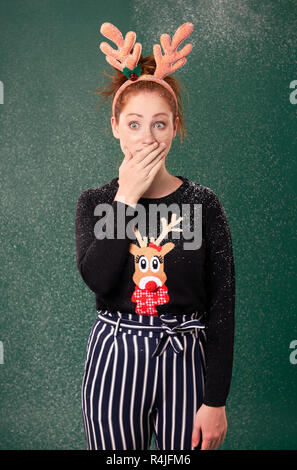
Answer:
[(171, 327)]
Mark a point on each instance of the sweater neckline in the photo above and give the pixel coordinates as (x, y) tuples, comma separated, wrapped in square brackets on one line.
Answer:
[(171, 196)]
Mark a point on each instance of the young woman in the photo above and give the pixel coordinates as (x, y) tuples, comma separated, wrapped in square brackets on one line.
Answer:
[(160, 353)]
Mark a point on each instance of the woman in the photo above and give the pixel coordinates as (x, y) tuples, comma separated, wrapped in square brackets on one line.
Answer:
[(160, 353)]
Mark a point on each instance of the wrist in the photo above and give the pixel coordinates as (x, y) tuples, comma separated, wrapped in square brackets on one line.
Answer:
[(214, 406), (129, 200)]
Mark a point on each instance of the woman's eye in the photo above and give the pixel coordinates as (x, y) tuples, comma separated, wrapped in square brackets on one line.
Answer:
[(160, 122), (133, 124)]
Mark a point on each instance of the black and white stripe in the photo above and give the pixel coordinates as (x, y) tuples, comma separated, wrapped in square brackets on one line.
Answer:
[(127, 394)]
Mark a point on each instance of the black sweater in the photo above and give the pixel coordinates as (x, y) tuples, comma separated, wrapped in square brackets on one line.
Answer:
[(177, 273)]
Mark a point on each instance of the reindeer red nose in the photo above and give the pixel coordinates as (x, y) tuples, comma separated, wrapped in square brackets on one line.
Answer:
[(151, 285)]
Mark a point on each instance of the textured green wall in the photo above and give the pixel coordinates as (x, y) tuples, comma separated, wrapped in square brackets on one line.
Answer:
[(241, 122)]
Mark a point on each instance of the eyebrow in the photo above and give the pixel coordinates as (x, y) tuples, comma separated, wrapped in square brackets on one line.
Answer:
[(140, 115)]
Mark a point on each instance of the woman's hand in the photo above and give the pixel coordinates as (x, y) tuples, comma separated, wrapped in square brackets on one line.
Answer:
[(212, 423), (138, 171)]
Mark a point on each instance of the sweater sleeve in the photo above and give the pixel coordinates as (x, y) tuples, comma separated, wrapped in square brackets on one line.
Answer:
[(220, 286), (100, 259)]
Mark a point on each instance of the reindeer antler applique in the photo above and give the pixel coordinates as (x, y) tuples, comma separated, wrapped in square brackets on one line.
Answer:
[(123, 57), (149, 275), (172, 59)]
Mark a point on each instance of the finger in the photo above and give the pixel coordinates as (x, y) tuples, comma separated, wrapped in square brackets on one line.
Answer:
[(157, 162), (213, 444), (156, 168), (222, 438), (205, 444), (128, 154), (152, 158), (197, 440), (195, 435), (152, 173), (219, 442), (147, 150), (216, 443)]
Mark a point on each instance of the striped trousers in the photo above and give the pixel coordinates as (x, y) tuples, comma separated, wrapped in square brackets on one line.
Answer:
[(143, 375)]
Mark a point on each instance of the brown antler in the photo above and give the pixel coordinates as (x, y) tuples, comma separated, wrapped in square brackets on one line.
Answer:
[(166, 228), (165, 63), (122, 57)]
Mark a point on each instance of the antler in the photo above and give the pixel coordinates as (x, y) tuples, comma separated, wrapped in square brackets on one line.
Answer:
[(165, 63), (141, 240), (122, 57), (166, 228)]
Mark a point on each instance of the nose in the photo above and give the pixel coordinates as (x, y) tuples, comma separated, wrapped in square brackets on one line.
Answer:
[(151, 285), (148, 136)]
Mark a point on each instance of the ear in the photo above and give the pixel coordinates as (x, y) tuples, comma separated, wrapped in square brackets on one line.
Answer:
[(133, 249), (175, 125), (114, 127), (167, 247)]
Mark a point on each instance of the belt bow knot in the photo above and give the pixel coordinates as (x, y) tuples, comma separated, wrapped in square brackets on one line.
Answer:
[(171, 328)]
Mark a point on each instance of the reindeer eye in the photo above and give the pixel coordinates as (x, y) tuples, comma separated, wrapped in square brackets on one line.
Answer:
[(155, 264), (143, 264)]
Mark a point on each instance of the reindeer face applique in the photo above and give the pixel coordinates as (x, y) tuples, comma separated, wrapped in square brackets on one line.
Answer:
[(149, 275)]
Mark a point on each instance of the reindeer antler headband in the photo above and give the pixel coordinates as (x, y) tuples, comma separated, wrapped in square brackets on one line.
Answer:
[(127, 62)]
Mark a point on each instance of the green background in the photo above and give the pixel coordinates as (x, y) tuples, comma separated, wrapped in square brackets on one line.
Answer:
[(55, 143)]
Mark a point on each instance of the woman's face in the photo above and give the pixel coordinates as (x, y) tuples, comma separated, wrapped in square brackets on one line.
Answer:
[(146, 118)]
